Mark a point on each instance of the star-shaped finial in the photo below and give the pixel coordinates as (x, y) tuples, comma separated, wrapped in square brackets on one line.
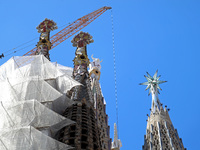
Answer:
[(153, 82)]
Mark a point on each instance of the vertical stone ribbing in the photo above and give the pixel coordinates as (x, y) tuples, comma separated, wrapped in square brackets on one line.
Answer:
[(102, 119), (84, 134), (160, 134)]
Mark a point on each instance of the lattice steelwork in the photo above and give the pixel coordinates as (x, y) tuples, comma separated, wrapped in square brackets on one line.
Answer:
[(72, 29)]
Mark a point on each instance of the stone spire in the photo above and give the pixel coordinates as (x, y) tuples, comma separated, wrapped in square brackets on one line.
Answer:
[(116, 144), (44, 44), (81, 63), (99, 104), (84, 134), (160, 132)]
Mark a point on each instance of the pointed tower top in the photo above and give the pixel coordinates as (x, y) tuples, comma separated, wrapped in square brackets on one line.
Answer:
[(46, 26), (44, 44), (153, 86), (116, 144), (82, 39)]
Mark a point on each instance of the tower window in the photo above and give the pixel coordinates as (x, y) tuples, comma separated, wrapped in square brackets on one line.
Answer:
[(83, 146), (44, 41), (82, 57)]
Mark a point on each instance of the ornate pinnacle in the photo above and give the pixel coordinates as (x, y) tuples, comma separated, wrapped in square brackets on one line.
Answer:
[(82, 39), (44, 44), (46, 26), (81, 60), (153, 83)]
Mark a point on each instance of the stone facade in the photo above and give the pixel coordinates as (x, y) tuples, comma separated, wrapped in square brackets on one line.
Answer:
[(102, 118), (99, 104), (160, 132)]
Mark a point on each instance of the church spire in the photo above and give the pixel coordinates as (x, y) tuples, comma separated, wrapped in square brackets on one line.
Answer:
[(81, 63), (85, 133), (44, 44), (81, 60), (160, 132), (116, 144), (153, 86)]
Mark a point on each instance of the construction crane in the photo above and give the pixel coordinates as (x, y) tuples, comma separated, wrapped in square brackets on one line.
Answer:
[(72, 29)]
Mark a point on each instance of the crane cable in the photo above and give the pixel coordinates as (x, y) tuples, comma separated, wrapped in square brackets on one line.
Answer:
[(19, 50), (115, 73), (19, 46), (14, 49)]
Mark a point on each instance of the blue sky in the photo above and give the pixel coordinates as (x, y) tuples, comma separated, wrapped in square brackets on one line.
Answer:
[(149, 35)]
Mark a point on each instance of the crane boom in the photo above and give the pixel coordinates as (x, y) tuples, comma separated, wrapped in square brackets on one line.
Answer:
[(72, 29)]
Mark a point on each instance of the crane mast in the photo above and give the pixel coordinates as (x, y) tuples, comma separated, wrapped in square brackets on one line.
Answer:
[(72, 29)]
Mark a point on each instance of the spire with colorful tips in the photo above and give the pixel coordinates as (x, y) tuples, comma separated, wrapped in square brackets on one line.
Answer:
[(86, 133), (44, 44), (81, 63)]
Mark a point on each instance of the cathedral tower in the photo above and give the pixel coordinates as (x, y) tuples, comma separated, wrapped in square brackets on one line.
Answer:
[(84, 134), (160, 132)]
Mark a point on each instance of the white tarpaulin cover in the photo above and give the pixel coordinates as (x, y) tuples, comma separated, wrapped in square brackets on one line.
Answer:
[(21, 89), (28, 138), (64, 69), (32, 97), (25, 113), (39, 66)]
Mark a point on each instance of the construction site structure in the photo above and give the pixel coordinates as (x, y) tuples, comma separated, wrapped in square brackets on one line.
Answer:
[(46, 43), (68, 31), (56, 107), (160, 132)]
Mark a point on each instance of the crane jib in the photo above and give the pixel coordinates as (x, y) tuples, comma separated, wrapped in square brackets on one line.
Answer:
[(72, 29)]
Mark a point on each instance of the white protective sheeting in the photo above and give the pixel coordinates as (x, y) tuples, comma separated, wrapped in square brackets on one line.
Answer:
[(25, 113), (59, 105), (20, 89), (66, 70), (63, 86), (32, 97), (39, 66), (28, 138)]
